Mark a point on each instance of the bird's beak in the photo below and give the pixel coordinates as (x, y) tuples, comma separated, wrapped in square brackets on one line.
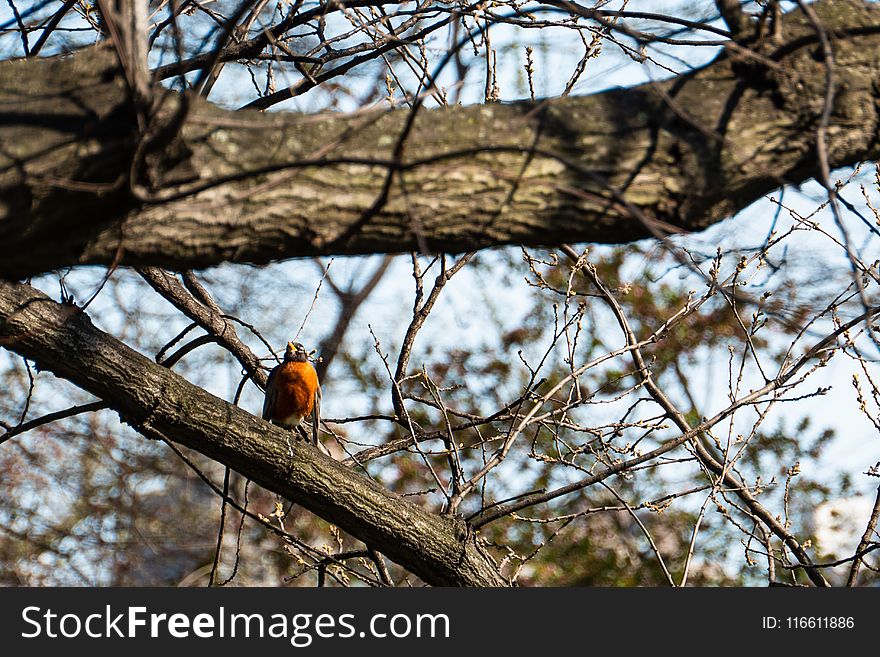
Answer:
[(290, 346)]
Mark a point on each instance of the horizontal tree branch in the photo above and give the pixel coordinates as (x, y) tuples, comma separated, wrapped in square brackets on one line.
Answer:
[(159, 403), (80, 185), (51, 417)]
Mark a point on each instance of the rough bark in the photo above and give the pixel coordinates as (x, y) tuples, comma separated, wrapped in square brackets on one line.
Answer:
[(79, 184), (159, 403)]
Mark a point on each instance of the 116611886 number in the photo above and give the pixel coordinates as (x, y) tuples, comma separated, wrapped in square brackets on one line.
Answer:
[(819, 622)]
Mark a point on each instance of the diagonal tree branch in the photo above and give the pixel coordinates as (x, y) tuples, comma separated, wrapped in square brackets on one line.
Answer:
[(350, 301), (161, 404), (206, 314)]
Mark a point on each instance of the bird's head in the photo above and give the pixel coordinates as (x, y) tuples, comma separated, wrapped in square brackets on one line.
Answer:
[(295, 352)]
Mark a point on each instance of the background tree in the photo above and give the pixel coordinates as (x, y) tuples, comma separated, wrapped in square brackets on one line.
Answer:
[(541, 414)]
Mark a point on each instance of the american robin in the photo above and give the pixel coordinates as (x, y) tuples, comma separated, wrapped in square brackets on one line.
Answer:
[(293, 391)]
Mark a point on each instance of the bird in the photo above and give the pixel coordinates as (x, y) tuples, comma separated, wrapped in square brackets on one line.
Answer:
[(293, 391)]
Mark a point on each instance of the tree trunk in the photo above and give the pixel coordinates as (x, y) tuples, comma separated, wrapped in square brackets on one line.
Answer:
[(80, 184)]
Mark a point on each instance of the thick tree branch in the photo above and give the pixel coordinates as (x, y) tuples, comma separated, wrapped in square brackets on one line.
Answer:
[(250, 187), (159, 403)]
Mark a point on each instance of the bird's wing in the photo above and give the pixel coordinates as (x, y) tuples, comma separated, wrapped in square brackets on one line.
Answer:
[(316, 416), (271, 394)]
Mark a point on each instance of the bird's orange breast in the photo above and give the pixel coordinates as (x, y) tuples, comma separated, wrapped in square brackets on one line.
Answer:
[(297, 383)]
